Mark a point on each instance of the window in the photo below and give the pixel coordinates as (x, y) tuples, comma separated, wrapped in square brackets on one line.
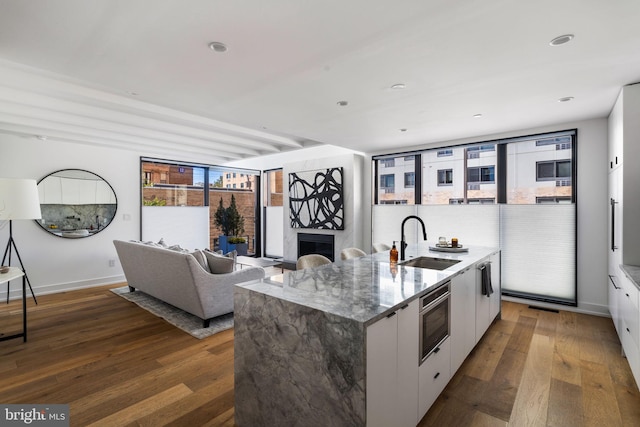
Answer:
[(483, 174), (515, 190), (549, 170), (552, 200), (396, 179), (474, 152), (445, 177), (409, 179), (387, 183), (274, 186), (563, 141), (185, 186)]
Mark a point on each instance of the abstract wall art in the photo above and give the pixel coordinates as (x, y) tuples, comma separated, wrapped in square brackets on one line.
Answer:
[(316, 199)]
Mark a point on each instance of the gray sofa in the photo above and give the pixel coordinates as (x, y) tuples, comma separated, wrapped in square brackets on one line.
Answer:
[(180, 279)]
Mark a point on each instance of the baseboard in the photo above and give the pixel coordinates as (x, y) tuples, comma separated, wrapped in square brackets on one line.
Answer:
[(16, 290), (584, 308)]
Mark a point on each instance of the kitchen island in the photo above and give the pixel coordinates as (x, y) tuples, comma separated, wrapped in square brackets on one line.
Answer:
[(301, 339)]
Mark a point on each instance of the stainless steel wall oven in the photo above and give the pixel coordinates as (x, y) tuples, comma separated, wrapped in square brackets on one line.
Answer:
[(435, 321)]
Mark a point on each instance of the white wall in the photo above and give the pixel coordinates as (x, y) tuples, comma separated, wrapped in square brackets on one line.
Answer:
[(54, 264)]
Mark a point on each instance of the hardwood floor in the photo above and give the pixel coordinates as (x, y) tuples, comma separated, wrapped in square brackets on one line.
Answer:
[(117, 365)]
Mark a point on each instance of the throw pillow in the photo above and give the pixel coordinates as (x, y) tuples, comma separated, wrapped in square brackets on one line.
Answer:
[(202, 259), (219, 264), (177, 248)]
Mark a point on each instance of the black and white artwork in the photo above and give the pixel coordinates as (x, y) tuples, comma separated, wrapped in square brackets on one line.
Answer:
[(316, 199)]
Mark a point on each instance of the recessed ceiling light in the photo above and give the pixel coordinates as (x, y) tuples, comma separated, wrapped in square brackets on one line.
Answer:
[(42, 137), (218, 47), (398, 86), (477, 116), (566, 99), (565, 38), (132, 93), (343, 103), (403, 130)]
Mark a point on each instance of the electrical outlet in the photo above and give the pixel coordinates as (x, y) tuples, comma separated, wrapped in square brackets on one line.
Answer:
[(112, 263)]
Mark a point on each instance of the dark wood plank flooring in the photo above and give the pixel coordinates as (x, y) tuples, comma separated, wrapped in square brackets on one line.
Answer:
[(117, 365)]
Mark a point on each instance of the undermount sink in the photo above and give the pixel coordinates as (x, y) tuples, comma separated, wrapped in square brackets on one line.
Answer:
[(430, 263)]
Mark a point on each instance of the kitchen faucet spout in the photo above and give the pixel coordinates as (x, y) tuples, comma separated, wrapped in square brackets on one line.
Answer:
[(403, 244)]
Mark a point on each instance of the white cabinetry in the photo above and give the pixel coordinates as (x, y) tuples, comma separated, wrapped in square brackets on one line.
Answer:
[(463, 316), (624, 133), (50, 191), (487, 307), (630, 324), (104, 193), (400, 391), (495, 304), (614, 291), (624, 221), (392, 369), (435, 373)]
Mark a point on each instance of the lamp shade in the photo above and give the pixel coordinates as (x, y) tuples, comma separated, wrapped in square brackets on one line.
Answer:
[(19, 199)]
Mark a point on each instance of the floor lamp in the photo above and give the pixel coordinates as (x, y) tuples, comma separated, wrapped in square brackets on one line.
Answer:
[(18, 200)]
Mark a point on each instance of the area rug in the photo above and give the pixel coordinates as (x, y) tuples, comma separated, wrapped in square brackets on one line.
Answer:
[(181, 319)]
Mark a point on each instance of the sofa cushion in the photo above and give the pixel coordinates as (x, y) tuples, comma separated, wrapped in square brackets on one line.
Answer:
[(220, 264), (202, 259)]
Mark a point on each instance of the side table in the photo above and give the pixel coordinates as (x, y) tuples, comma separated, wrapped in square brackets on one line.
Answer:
[(12, 274)]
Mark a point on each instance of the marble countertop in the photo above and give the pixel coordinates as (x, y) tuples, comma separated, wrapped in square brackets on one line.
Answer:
[(632, 272), (368, 288)]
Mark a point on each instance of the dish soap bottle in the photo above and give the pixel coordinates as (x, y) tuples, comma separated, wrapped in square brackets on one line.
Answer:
[(393, 257)]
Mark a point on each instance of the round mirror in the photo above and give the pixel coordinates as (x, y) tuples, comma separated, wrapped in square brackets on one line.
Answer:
[(75, 203)]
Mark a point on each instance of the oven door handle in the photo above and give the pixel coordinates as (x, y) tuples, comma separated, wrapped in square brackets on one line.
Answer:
[(435, 302)]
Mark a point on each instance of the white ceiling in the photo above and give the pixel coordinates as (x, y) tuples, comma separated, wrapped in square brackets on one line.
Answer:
[(290, 61)]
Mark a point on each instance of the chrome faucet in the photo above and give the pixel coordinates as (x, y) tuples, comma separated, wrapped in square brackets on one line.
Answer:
[(403, 245)]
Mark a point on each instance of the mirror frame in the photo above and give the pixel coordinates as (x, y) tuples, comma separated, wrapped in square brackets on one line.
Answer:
[(60, 232)]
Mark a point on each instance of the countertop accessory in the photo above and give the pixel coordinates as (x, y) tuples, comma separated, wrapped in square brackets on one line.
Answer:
[(448, 248)]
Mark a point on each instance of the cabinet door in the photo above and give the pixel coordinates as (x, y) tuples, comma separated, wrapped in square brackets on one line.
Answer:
[(70, 191), (463, 316), (392, 369), (408, 360), (614, 213), (629, 309), (51, 191), (382, 362), (614, 294), (483, 307), (434, 376), (104, 194), (496, 297)]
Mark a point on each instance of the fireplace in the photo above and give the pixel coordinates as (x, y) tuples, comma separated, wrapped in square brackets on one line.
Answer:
[(322, 244)]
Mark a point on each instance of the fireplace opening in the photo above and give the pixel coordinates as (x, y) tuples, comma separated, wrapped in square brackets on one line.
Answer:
[(322, 244)]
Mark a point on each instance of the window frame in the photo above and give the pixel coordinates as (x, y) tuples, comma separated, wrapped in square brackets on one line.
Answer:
[(445, 173)]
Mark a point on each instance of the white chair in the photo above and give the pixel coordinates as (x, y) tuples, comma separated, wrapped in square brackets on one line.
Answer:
[(311, 260), (380, 247), (349, 253)]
